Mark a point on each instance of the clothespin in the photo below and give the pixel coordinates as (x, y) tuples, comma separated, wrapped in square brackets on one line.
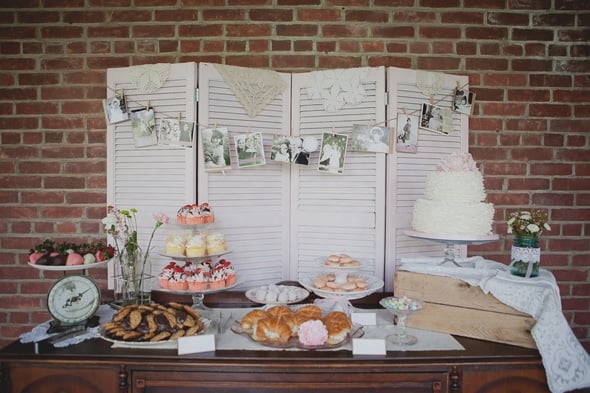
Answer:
[(147, 108), (179, 116)]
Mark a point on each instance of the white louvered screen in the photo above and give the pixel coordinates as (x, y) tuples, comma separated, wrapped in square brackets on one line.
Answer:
[(345, 213), (251, 205), (407, 171), (158, 178)]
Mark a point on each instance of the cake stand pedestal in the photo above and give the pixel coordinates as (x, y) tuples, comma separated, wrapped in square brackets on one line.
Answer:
[(450, 241)]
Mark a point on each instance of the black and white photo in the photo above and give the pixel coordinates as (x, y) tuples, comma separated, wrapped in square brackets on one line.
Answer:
[(169, 132), (215, 144), (406, 139), (250, 150), (143, 127), (332, 153), (463, 101), (115, 109), (370, 138), (431, 118)]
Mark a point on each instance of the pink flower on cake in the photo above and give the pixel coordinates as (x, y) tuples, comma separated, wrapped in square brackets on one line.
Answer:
[(457, 162)]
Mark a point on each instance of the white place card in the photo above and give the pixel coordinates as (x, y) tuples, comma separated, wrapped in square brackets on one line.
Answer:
[(369, 346), (365, 318), (195, 344)]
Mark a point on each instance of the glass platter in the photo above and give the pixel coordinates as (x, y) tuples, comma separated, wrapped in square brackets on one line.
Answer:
[(67, 268), (374, 284), (164, 344), (357, 332), (301, 293), (187, 292), (177, 257)]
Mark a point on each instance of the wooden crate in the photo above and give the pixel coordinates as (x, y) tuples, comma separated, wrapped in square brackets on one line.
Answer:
[(453, 306)]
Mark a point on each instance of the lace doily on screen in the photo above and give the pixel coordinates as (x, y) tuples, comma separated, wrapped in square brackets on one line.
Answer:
[(254, 88), (337, 88), (429, 83), (150, 77)]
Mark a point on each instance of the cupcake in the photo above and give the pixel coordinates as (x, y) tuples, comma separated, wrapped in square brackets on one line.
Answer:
[(230, 272), (206, 213), (205, 267), (195, 246), (175, 244), (215, 243), (178, 280), (166, 274), (197, 282), (217, 280)]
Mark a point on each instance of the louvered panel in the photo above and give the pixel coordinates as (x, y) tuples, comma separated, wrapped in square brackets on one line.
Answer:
[(407, 171), (157, 178), (338, 213), (251, 204)]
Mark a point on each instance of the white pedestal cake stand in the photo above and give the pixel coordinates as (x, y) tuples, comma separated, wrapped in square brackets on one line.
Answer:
[(451, 241)]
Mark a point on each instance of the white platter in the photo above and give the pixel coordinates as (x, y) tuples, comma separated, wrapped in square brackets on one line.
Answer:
[(455, 239), (301, 293), (67, 268), (164, 344), (374, 284)]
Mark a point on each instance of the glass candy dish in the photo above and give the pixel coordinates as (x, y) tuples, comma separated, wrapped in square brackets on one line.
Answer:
[(401, 307)]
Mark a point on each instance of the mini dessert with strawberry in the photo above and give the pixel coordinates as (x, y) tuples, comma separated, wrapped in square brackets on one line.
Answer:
[(178, 280), (217, 280), (194, 214), (197, 281), (166, 274), (230, 272)]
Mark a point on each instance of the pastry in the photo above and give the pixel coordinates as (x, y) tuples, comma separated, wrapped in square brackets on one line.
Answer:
[(194, 214), (278, 311), (310, 311), (338, 326), (250, 320), (273, 329), (196, 246), (175, 244), (215, 243)]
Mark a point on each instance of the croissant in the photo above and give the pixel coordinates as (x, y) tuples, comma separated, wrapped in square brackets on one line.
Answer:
[(278, 311), (338, 325), (251, 318), (311, 311), (273, 329)]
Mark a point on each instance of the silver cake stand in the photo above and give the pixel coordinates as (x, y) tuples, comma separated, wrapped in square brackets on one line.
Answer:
[(450, 241)]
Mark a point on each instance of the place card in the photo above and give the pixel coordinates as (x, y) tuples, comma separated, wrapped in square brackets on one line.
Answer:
[(369, 346), (196, 344), (365, 318)]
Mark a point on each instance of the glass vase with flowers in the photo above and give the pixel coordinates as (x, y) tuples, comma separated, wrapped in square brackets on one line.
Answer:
[(132, 273), (527, 226)]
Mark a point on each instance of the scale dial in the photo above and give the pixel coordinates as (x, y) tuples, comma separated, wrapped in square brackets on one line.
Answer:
[(73, 299)]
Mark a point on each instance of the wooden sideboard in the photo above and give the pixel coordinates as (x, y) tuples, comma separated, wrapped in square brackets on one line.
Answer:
[(93, 367)]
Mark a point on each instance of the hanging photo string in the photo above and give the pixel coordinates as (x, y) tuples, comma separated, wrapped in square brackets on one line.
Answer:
[(432, 102)]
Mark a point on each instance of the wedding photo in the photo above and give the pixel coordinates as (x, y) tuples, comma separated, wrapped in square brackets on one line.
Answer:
[(407, 133), (249, 150), (215, 144), (115, 109), (371, 139), (432, 118), (143, 126), (332, 153)]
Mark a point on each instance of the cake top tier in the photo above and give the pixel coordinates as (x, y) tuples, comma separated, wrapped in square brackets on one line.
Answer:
[(457, 162)]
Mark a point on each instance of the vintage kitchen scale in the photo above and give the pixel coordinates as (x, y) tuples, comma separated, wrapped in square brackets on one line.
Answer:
[(72, 300)]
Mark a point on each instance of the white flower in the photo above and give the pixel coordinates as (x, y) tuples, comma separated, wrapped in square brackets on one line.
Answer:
[(547, 227), (533, 228)]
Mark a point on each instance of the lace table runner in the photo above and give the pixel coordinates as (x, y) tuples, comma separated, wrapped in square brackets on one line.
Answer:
[(228, 340), (566, 362)]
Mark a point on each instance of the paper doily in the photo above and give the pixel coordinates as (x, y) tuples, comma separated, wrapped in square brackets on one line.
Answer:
[(429, 82)]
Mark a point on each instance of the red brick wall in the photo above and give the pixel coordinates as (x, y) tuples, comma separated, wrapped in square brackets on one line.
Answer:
[(527, 60)]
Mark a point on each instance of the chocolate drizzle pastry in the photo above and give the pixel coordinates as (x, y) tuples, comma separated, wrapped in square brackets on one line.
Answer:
[(153, 323)]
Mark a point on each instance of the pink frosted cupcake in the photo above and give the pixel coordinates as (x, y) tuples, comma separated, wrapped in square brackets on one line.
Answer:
[(178, 280), (217, 280), (166, 274), (197, 282), (230, 272), (205, 267)]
